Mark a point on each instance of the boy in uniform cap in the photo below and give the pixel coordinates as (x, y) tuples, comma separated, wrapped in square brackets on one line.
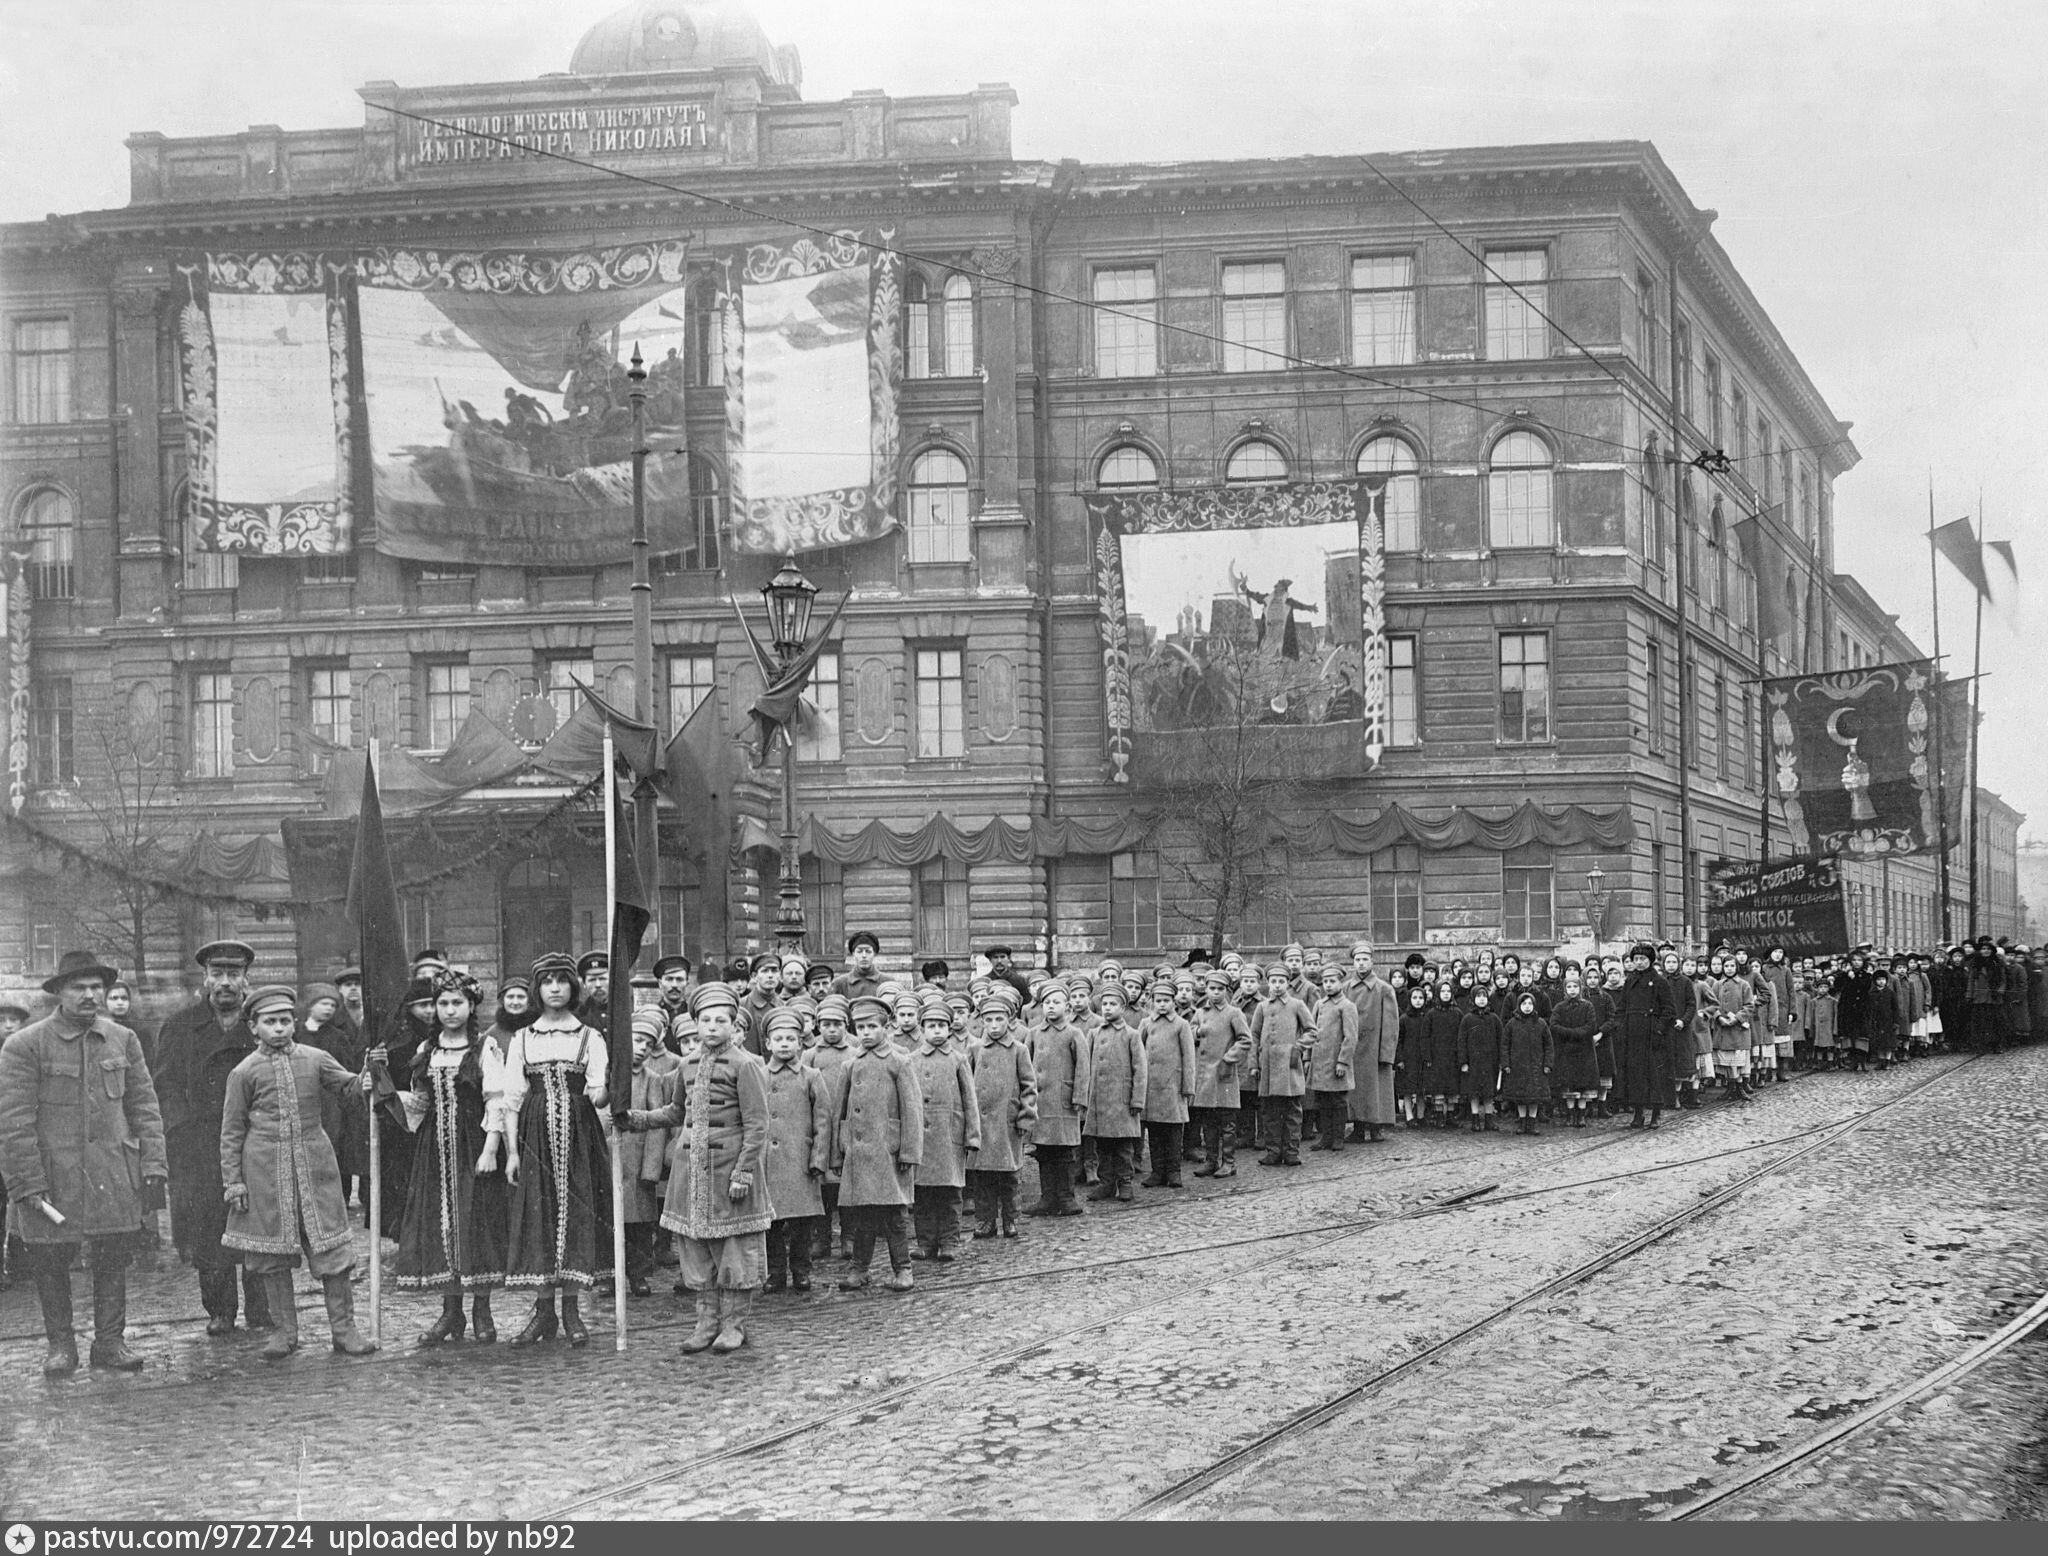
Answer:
[(279, 1178), (1059, 1065), (799, 1151), (75, 1102), (1283, 1032), (1006, 1097), (828, 1057), (1223, 1040), (952, 1131), (643, 1157), (1114, 1094), (1169, 1085), (877, 1139)]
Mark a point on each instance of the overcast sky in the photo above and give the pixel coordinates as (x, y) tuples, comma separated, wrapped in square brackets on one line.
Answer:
[(1878, 169)]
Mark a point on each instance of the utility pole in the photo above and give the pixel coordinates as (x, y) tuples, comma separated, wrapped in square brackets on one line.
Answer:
[(1690, 894), (646, 841), (1941, 860)]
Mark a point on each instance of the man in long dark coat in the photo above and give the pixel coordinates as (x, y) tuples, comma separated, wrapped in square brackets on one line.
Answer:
[(197, 1049), (1645, 1019)]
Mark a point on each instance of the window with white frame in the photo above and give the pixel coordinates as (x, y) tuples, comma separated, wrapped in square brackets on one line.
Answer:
[(1404, 691), (1528, 897), (1397, 895), (42, 370), (1383, 310), (1254, 317), (1394, 459), (818, 738), (1134, 901), (50, 729), (942, 910), (1126, 322), (1646, 322), (1518, 499), (824, 894), (561, 674), (917, 327), (937, 497), (704, 338), (1126, 467), (1516, 301), (941, 703), (1524, 687), (1710, 366), (957, 321), (211, 724), (1255, 462), (446, 683), (204, 569), (1268, 918), (328, 704), (47, 522), (690, 680)]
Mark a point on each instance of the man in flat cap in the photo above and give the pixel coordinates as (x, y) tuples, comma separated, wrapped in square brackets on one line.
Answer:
[(82, 1145), (197, 1050)]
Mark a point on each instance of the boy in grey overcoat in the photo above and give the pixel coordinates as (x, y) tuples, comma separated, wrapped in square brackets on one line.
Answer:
[(1169, 1085), (1223, 1041), (877, 1140), (952, 1131), (1057, 1054), (799, 1151), (1114, 1094), (1006, 1096), (1283, 1032)]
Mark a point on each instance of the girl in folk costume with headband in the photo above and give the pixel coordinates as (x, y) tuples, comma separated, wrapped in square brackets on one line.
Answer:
[(453, 1237), (556, 1163)]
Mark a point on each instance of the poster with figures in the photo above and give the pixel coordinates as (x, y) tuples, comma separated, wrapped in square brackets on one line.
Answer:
[(1853, 758), (497, 408), (1252, 614)]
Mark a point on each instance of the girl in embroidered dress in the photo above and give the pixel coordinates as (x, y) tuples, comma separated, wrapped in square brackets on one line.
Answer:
[(453, 1237), (560, 1176)]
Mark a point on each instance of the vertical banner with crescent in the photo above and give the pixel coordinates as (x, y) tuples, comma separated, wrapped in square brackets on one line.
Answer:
[(1853, 758)]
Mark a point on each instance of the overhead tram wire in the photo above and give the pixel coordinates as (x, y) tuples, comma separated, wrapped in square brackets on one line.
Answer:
[(1280, 358)]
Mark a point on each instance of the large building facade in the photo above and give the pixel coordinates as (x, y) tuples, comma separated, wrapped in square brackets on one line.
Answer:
[(1533, 345)]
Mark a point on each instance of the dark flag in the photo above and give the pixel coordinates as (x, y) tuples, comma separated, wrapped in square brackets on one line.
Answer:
[(630, 918), (777, 706), (1852, 753), (373, 909), (1773, 571), (702, 767), (1958, 542)]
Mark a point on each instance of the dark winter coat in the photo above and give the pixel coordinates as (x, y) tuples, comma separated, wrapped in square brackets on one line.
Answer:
[(1481, 1042), (195, 1057), (1573, 1026), (79, 1124), (1529, 1052), (1440, 1058), (1644, 1016)]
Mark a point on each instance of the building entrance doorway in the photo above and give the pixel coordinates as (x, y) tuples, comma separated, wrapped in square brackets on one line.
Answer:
[(535, 910)]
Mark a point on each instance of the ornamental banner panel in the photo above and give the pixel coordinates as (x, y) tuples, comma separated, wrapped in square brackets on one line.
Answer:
[(263, 352), (812, 368), (496, 408), (1243, 623), (1852, 758)]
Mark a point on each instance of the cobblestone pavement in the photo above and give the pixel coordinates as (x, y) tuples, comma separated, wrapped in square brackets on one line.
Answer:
[(1101, 1359)]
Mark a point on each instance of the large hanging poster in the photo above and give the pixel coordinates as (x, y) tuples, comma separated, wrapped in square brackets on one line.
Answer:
[(1794, 903), (812, 368), (496, 398), (1853, 758), (263, 353), (1243, 619)]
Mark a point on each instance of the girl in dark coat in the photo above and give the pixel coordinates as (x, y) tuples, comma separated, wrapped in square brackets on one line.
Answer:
[(1685, 1073), (1644, 1016), (1853, 1004), (1607, 1052), (1411, 1056), (1951, 999), (1480, 1039), (1440, 1052), (1575, 1030), (1527, 1057)]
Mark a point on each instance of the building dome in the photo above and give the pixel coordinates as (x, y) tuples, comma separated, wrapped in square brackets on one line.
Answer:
[(671, 35)]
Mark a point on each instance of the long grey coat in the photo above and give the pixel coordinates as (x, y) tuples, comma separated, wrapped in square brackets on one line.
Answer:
[(1223, 1041), (733, 1139), (1332, 1062), (79, 1125), (799, 1139), (952, 1116), (1006, 1096), (1114, 1094), (1283, 1030), (1379, 1043), (1169, 1069), (828, 1059), (1057, 1056), (273, 1144), (877, 1128)]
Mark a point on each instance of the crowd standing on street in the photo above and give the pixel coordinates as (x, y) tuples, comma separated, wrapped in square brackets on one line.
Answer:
[(789, 1112)]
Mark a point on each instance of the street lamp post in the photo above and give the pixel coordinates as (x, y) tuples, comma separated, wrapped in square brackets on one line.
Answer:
[(789, 596), (1596, 904)]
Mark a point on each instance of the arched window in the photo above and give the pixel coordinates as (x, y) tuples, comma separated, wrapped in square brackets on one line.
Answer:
[(704, 338), (1655, 535), (46, 521), (938, 499), (1518, 493), (1394, 459), (1255, 463), (1126, 466), (959, 327), (1715, 584), (917, 325)]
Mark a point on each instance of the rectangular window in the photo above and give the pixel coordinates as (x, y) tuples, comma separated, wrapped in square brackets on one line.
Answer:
[(42, 370), (1746, 746), (1383, 310), (818, 739), (1528, 897), (423, 918), (1768, 483), (1806, 531), (941, 909), (1738, 413), (1653, 687), (337, 568), (50, 729), (1516, 301), (1254, 317), (1524, 687), (1658, 917), (941, 703), (1127, 323), (560, 677), (1268, 920), (691, 678), (1681, 347), (1397, 895), (212, 724), (959, 320), (1404, 692), (1134, 902), (1722, 754), (1646, 323), (824, 902), (1712, 368), (328, 704), (917, 355), (447, 697)]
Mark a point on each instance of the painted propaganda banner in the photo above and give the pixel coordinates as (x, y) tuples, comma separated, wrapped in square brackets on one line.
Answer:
[(1794, 903), (812, 370), (496, 402), (263, 353), (1243, 618), (1852, 753)]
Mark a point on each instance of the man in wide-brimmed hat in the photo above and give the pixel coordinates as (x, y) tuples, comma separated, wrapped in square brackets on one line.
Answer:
[(197, 1050), (75, 1101)]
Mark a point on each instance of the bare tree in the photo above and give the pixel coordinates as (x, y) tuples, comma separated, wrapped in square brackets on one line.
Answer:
[(130, 821)]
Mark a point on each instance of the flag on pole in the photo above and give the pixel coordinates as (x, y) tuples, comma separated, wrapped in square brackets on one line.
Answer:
[(631, 915), (1958, 542), (2001, 577), (373, 909), (777, 705), (1773, 571), (702, 766)]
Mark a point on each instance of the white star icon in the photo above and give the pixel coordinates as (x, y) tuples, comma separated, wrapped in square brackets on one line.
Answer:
[(20, 1539)]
